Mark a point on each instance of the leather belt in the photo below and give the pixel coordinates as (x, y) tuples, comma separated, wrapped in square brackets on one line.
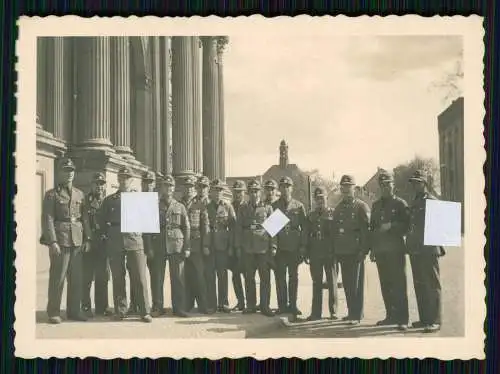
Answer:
[(69, 220)]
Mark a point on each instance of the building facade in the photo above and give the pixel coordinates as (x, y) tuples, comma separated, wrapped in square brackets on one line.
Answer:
[(149, 103), (451, 152)]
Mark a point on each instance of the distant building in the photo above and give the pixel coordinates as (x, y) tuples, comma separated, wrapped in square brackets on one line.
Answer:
[(451, 152), (302, 189)]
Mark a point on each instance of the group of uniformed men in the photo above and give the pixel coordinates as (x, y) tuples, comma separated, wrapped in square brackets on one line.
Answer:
[(203, 237)]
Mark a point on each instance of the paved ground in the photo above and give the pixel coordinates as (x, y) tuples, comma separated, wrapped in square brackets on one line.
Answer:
[(236, 325)]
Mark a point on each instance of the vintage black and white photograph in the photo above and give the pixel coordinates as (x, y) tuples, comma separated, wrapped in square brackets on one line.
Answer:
[(293, 174)]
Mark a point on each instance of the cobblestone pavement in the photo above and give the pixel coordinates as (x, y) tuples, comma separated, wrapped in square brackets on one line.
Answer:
[(236, 325)]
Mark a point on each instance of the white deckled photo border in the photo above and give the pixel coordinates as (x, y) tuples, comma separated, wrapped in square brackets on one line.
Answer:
[(470, 346)]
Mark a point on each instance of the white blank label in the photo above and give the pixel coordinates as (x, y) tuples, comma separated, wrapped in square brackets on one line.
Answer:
[(443, 221), (140, 212), (275, 222)]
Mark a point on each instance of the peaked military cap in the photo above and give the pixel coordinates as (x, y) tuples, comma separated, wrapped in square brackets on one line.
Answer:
[(319, 192), (217, 184), (203, 181), (148, 176), (168, 180), (190, 180), (286, 181), (418, 176), (271, 183), (385, 178), (99, 178), (348, 180), (239, 185), (254, 184), (125, 171), (67, 163)]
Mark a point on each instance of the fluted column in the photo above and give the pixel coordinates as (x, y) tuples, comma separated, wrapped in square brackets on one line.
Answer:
[(222, 131), (210, 107), (156, 102), (41, 77), (95, 92), (120, 101), (197, 115), (166, 138), (182, 106)]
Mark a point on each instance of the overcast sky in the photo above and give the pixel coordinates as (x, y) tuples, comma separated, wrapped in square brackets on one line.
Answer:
[(343, 104)]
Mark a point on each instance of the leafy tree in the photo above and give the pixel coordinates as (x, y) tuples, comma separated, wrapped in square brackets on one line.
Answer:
[(403, 172)]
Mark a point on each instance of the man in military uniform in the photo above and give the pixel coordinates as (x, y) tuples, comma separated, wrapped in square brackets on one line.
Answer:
[(236, 262), (291, 248), (256, 246), (66, 231), (389, 224), (203, 192), (424, 259), (95, 261), (351, 220), (175, 248), (198, 219), (321, 255), (125, 247), (148, 185), (221, 218)]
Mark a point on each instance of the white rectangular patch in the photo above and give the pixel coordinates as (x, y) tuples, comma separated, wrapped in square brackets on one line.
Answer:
[(443, 221), (139, 212), (275, 222)]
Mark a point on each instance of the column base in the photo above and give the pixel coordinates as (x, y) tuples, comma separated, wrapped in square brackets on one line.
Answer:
[(95, 144), (125, 152)]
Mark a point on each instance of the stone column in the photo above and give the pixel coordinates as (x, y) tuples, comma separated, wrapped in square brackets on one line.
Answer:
[(222, 132), (120, 101), (41, 77), (94, 118), (182, 106), (166, 136), (210, 107), (197, 115), (156, 102)]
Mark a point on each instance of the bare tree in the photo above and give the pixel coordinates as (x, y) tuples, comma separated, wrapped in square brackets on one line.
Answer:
[(450, 84)]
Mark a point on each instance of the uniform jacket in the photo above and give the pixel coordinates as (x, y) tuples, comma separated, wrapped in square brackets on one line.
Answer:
[(174, 227), (110, 216), (415, 237), (292, 237), (198, 222), (351, 220), (64, 219), (395, 211), (250, 236), (222, 220), (319, 233), (92, 206), (237, 207)]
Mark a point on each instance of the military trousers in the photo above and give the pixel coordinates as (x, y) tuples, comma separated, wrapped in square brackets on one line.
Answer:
[(393, 285), (96, 269), (319, 266), (176, 268), (286, 289), (427, 284), (221, 269), (257, 262), (136, 261), (237, 271), (196, 288), (65, 266), (353, 280), (210, 279), (134, 305)]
